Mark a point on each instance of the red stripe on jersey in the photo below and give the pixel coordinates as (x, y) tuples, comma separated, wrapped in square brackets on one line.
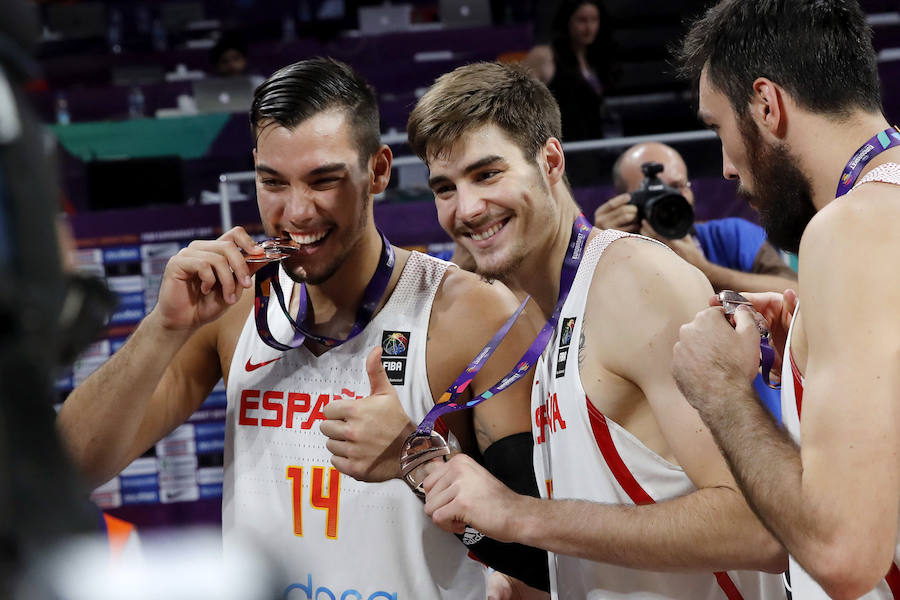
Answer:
[(727, 585), (613, 459), (441, 427), (893, 580), (631, 486), (798, 385)]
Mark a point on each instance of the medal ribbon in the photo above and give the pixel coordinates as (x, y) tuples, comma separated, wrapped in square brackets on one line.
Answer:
[(267, 281), (883, 140), (447, 402)]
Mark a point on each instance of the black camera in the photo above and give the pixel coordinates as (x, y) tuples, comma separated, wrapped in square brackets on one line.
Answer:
[(667, 211)]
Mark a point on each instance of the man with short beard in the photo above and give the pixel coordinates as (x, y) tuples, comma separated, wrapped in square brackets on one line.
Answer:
[(636, 501), (791, 87)]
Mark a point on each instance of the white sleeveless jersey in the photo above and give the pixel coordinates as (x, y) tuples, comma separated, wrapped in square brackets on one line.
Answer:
[(332, 536), (803, 586), (580, 454)]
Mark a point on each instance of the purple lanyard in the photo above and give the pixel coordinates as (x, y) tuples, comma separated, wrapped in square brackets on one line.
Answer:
[(447, 402), (267, 280), (889, 138)]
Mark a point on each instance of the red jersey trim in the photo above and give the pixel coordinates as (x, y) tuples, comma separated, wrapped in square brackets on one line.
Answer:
[(893, 580), (631, 486), (798, 385)]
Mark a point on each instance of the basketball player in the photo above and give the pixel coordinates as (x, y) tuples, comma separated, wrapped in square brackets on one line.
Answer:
[(319, 162), (792, 90), (637, 502)]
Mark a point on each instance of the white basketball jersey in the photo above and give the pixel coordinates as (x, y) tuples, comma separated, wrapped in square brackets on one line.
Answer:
[(335, 537), (803, 586), (581, 454)]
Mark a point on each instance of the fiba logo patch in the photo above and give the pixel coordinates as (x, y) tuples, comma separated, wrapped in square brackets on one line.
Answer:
[(395, 348), (395, 343), (471, 536)]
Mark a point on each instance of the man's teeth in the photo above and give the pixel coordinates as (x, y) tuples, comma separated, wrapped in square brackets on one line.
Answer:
[(308, 238), (487, 232)]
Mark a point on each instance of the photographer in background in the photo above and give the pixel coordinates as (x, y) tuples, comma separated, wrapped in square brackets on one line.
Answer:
[(733, 253)]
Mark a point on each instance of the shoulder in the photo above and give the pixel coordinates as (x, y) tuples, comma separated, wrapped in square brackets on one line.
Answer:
[(633, 264), (640, 280), (854, 230), (863, 218), (464, 292), (640, 295)]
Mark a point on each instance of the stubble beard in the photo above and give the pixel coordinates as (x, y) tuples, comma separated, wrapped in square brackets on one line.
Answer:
[(336, 262), (782, 194)]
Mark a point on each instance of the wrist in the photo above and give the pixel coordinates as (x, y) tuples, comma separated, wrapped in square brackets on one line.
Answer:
[(164, 330), (523, 521)]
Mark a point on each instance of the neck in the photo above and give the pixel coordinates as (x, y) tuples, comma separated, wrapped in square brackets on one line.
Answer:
[(539, 274), (335, 301), (831, 144)]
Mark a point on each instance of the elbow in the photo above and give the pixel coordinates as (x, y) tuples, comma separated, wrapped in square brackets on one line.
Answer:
[(776, 559), (848, 571), (771, 556)]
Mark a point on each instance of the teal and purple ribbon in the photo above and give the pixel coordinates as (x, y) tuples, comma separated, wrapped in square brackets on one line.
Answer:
[(448, 400), (883, 140)]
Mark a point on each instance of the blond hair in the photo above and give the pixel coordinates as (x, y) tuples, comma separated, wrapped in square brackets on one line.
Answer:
[(479, 94)]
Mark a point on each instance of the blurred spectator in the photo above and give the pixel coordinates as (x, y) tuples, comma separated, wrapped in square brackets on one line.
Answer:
[(228, 57), (576, 67)]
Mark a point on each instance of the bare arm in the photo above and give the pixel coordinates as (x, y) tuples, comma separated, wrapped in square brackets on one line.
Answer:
[(833, 503), (655, 293), (165, 370)]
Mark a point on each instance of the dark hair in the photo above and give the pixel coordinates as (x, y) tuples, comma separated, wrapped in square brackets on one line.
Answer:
[(598, 54), (820, 51), (478, 94), (230, 40), (309, 87)]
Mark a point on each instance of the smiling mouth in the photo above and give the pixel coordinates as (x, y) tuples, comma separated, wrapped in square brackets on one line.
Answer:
[(309, 240), (480, 236)]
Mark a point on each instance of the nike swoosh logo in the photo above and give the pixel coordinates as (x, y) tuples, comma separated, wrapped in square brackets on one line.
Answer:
[(251, 367)]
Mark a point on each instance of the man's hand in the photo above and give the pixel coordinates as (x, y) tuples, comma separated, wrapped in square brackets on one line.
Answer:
[(617, 213), (365, 435), (778, 311), (710, 356), (461, 492), (204, 279)]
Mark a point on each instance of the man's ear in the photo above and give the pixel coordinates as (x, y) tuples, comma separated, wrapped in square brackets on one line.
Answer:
[(554, 160), (768, 107), (380, 171)]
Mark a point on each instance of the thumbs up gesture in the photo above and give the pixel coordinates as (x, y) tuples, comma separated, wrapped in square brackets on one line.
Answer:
[(365, 435)]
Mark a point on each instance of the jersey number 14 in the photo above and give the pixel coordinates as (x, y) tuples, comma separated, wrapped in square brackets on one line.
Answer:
[(317, 497)]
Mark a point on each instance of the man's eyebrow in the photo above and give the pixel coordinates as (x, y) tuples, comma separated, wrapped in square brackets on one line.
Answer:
[(483, 162), (478, 164), (264, 168), (329, 168)]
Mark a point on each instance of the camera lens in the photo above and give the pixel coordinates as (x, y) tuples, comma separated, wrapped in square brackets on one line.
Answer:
[(670, 215)]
